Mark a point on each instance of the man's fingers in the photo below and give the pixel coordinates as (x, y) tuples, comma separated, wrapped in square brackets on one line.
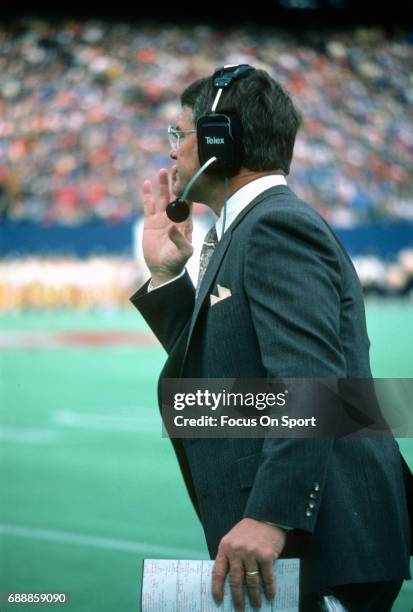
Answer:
[(148, 203), (164, 193), (253, 586), (219, 572), (236, 580), (152, 205), (268, 579)]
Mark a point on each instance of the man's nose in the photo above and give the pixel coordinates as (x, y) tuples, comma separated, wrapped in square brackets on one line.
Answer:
[(173, 154)]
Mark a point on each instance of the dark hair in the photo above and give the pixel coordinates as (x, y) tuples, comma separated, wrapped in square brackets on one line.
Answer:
[(268, 117)]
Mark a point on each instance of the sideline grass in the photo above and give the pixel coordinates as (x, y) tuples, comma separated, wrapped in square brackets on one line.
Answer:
[(86, 480)]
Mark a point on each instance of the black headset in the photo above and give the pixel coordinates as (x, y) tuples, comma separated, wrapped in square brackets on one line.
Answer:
[(219, 135)]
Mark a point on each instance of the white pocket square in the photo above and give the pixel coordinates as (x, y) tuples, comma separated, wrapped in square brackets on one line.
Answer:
[(223, 294)]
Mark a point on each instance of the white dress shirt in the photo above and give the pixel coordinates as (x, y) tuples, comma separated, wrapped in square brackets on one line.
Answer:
[(235, 205), (241, 198)]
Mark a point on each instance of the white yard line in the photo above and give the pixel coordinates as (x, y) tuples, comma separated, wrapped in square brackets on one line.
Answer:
[(27, 435), (64, 421), (84, 420), (65, 537)]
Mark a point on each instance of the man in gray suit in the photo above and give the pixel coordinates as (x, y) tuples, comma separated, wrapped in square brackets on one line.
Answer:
[(293, 308)]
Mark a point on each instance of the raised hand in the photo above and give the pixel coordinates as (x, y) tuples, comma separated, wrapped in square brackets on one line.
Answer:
[(166, 245)]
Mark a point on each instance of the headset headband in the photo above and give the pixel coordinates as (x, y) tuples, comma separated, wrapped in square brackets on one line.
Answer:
[(223, 77)]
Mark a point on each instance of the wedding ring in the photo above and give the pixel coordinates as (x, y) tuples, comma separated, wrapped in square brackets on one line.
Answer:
[(252, 573)]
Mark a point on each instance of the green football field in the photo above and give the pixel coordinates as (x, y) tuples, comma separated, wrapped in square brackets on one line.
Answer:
[(88, 486)]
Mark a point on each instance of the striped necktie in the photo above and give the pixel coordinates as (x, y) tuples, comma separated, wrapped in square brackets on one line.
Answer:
[(210, 242)]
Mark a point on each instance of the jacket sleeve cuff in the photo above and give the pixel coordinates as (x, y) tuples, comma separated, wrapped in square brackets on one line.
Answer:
[(166, 309)]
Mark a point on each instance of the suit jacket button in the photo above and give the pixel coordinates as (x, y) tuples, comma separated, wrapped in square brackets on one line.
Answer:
[(309, 512), (311, 504), (316, 486), (313, 495)]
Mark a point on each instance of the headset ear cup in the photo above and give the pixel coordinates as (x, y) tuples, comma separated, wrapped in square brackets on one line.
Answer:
[(237, 137), (220, 135)]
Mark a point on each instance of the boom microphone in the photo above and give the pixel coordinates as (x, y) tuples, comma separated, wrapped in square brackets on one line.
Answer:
[(179, 210)]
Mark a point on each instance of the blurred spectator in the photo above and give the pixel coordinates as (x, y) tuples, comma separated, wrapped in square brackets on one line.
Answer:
[(390, 279), (56, 282), (37, 283), (84, 108)]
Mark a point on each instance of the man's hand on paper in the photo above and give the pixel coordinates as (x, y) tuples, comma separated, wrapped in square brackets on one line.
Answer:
[(250, 546)]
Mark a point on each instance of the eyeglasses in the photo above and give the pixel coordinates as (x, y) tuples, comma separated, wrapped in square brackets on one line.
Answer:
[(175, 135)]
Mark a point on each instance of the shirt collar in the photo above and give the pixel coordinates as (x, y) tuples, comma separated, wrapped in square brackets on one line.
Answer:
[(241, 198)]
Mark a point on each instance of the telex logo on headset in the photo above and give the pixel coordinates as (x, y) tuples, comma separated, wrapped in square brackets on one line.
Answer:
[(214, 140)]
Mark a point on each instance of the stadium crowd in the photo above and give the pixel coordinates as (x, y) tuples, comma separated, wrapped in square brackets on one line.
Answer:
[(36, 283), (106, 283), (84, 108)]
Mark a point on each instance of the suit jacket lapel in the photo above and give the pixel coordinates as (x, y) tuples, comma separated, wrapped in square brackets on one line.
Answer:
[(209, 276), (218, 256)]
